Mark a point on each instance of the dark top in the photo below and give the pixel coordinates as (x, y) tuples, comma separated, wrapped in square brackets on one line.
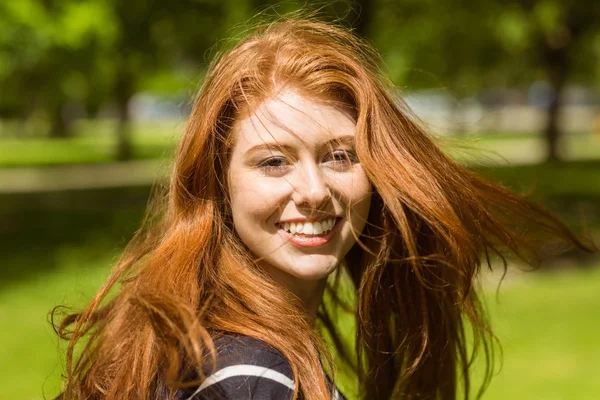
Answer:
[(247, 369)]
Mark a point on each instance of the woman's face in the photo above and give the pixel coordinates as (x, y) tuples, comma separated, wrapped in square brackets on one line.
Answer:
[(293, 177)]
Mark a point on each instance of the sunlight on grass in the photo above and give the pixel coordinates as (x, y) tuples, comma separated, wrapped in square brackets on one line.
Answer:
[(503, 150), (95, 142), (29, 357), (547, 323), (548, 327)]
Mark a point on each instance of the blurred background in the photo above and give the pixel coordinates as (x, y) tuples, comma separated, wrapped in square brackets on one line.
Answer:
[(94, 95)]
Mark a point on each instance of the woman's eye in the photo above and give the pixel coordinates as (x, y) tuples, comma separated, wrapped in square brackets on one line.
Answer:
[(273, 164), (341, 157)]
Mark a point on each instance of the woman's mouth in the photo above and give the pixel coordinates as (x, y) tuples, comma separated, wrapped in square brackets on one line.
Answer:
[(309, 233)]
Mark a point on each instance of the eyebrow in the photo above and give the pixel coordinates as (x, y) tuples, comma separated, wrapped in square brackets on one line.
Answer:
[(347, 140)]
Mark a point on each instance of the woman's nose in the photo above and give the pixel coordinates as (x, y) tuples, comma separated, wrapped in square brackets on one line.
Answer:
[(311, 188)]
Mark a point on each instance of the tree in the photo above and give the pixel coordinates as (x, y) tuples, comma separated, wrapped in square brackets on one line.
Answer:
[(152, 35), (471, 45), (562, 33), (50, 51), (56, 52)]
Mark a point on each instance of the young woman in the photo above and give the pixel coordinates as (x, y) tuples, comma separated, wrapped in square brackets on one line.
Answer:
[(297, 165)]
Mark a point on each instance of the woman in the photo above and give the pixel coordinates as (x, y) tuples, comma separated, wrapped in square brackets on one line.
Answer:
[(297, 164)]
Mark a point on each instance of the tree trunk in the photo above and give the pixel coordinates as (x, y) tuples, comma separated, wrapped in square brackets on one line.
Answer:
[(123, 93), (124, 147), (60, 126), (92, 107), (556, 67), (551, 131)]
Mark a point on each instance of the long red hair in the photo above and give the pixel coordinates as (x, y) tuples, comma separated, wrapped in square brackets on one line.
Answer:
[(186, 275)]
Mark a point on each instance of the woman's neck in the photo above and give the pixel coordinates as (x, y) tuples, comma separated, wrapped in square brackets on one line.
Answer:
[(310, 292)]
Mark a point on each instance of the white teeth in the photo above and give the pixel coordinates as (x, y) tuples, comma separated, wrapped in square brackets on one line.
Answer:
[(309, 228), (317, 228)]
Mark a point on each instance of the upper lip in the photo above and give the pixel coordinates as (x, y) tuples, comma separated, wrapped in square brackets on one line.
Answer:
[(303, 220)]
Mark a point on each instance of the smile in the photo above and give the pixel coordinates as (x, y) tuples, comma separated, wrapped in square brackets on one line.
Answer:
[(309, 228), (309, 233)]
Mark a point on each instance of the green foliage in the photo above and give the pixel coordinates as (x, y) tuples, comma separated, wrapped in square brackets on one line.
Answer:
[(482, 44), (51, 54), (65, 59)]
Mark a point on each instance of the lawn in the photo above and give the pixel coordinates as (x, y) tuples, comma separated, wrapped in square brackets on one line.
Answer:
[(58, 247), (29, 359), (547, 323), (95, 142), (526, 148)]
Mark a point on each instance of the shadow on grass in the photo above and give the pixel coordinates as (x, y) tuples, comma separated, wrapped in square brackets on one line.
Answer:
[(35, 228), (573, 178), (571, 190)]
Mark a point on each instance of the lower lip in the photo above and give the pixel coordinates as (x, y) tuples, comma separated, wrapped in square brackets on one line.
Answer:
[(310, 241)]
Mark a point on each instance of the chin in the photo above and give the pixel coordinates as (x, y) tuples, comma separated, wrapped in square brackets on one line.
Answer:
[(309, 268), (313, 275)]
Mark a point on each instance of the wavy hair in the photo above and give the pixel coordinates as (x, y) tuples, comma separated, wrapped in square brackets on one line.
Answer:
[(185, 275)]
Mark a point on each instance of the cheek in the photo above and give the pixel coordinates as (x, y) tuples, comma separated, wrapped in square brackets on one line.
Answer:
[(355, 190), (357, 195), (361, 204), (254, 199)]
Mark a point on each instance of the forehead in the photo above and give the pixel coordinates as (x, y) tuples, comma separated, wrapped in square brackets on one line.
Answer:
[(293, 119)]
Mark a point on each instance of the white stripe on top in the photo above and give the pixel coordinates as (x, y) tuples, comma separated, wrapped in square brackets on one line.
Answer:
[(244, 370), (251, 370)]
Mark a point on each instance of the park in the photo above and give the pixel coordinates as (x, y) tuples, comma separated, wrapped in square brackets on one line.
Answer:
[(96, 94)]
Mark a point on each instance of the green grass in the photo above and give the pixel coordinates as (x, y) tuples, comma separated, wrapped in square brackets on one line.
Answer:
[(525, 148), (29, 360), (571, 190), (547, 323), (93, 142), (574, 178), (57, 249)]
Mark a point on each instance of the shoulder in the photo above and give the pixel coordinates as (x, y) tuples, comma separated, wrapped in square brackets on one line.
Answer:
[(247, 368), (239, 349)]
